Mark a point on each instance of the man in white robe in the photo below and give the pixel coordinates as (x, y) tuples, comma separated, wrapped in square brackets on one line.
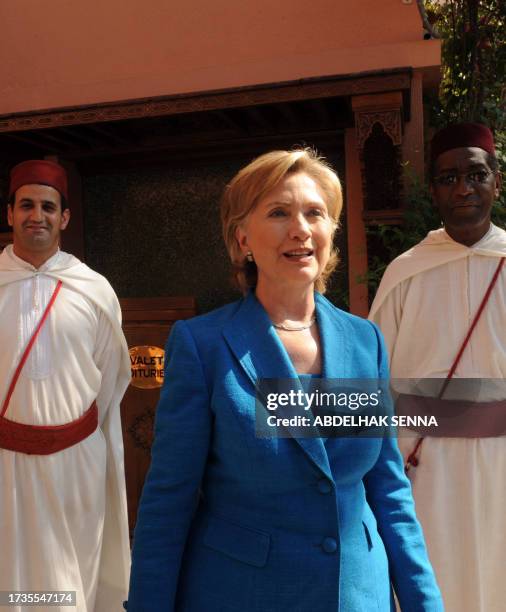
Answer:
[(425, 305), (63, 517)]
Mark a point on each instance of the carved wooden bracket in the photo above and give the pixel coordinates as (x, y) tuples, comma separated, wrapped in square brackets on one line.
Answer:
[(384, 109), (378, 122), (390, 121)]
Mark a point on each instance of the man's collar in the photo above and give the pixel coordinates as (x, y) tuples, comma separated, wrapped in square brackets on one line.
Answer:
[(25, 265), (484, 239)]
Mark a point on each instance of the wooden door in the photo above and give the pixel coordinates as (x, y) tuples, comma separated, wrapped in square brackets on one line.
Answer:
[(146, 324)]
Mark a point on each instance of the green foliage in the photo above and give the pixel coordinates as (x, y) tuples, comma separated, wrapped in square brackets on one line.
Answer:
[(473, 36), (473, 85), (419, 217)]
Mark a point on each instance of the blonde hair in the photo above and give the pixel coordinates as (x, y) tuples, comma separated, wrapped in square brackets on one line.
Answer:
[(253, 182)]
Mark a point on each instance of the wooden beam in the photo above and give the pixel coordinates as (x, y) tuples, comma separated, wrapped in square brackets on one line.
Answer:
[(289, 113), (227, 119), (289, 91), (259, 118), (108, 133), (78, 136), (44, 135), (32, 142)]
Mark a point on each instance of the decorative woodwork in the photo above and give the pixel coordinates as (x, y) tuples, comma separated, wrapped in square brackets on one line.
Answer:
[(378, 120), (389, 120), (303, 89)]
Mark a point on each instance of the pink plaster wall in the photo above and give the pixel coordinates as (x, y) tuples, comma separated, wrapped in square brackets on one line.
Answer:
[(58, 53)]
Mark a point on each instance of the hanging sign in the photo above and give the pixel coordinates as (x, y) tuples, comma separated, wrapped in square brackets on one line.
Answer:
[(147, 366)]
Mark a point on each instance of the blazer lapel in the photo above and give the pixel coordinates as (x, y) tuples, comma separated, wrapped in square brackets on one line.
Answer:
[(259, 351), (336, 336)]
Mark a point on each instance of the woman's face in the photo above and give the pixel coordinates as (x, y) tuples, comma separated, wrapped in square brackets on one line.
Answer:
[(289, 233)]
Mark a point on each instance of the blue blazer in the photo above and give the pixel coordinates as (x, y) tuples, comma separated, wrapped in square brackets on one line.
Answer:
[(229, 522)]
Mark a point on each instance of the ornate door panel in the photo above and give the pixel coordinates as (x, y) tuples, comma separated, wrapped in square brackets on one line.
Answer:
[(146, 323)]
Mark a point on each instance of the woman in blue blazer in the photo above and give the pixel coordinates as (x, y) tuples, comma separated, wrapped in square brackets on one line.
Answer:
[(232, 522)]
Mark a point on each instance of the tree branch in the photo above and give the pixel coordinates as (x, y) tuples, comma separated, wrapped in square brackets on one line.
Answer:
[(425, 20)]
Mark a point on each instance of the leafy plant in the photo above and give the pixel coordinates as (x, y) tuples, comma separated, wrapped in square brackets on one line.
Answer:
[(473, 36), (390, 241), (473, 84)]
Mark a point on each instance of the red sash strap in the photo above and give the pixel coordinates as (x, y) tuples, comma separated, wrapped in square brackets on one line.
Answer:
[(413, 458), (47, 439), (42, 439), (28, 348)]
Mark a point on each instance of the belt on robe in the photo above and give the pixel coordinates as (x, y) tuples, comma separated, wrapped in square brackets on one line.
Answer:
[(455, 418), (43, 439), (47, 439)]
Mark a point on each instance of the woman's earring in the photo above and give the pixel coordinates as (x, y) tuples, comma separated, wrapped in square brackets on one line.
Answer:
[(249, 256)]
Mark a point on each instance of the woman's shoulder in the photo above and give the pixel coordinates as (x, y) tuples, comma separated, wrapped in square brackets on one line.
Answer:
[(356, 323), (363, 336)]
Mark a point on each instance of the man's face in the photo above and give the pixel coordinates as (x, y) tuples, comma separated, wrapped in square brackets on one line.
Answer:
[(463, 191), (37, 219)]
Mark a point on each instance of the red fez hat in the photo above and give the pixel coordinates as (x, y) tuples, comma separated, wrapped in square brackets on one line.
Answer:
[(462, 135), (39, 171)]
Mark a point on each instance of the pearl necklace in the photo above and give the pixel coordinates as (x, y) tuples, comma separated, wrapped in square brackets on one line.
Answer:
[(295, 329)]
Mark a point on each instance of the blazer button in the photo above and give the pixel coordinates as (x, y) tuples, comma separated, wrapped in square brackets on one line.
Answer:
[(329, 545), (324, 486)]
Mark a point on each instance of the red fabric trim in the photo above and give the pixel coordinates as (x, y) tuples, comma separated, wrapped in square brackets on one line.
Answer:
[(47, 439), (471, 329), (412, 459), (29, 347)]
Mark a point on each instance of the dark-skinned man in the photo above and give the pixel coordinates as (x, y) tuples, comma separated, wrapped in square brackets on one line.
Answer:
[(65, 367), (442, 309)]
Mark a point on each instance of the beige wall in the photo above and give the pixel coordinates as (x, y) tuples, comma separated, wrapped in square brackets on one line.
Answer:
[(58, 53)]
